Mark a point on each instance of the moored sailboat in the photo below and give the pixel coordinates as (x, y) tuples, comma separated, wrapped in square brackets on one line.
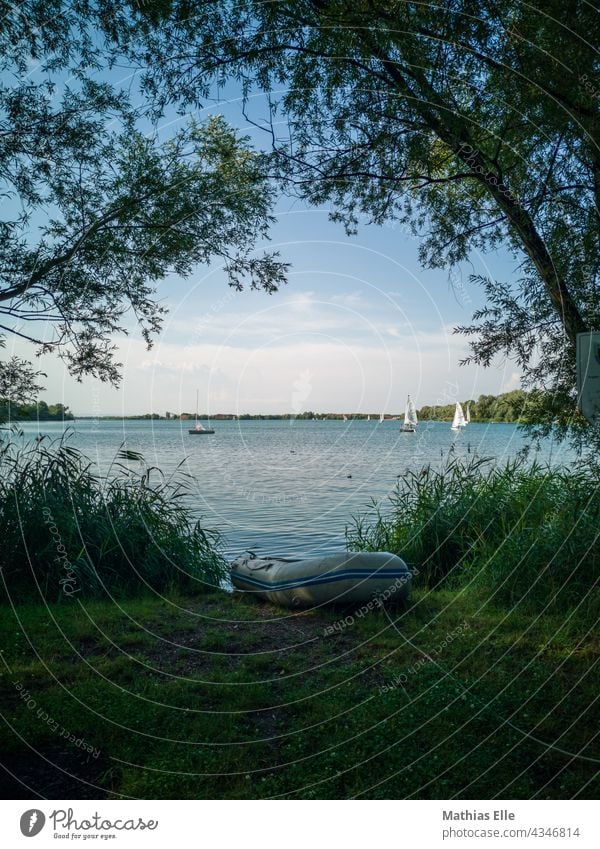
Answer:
[(199, 429)]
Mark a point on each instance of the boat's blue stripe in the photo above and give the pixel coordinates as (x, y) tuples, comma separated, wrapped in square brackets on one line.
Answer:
[(292, 583)]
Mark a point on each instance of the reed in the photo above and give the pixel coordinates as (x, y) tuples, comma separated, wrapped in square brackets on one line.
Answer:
[(519, 532), (68, 531)]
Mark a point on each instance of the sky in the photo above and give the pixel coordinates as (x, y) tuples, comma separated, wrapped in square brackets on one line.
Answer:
[(359, 325)]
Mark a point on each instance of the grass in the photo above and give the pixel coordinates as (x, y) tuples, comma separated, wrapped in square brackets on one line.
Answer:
[(68, 531), (220, 696), (522, 533)]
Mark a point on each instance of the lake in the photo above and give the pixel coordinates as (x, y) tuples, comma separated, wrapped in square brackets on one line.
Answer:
[(290, 487)]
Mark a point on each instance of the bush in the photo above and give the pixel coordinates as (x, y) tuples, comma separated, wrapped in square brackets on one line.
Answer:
[(67, 531), (521, 532)]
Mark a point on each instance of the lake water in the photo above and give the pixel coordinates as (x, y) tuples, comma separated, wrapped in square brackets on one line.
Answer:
[(290, 488)]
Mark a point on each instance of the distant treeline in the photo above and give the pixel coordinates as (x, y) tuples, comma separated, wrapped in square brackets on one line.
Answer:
[(308, 416), (39, 411), (515, 406)]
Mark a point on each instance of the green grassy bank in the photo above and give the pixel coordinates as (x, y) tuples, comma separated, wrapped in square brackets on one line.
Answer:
[(125, 673), (221, 696)]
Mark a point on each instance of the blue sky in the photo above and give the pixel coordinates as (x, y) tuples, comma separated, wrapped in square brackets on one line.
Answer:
[(359, 326)]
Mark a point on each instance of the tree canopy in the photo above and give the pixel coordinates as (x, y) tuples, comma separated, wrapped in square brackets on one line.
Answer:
[(514, 406), (474, 123), (39, 411), (96, 209)]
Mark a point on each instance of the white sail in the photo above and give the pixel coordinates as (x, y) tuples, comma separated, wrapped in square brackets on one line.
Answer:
[(345, 418), (468, 414), (381, 417), (368, 418), (410, 414), (459, 418)]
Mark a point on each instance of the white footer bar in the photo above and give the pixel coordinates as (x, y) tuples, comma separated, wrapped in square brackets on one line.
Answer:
[(300, 824)]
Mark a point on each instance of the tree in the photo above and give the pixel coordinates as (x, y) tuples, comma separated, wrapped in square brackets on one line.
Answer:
[(476, 121), (96, 210), (17, 380)]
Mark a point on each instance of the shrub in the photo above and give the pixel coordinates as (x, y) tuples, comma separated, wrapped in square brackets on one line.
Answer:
[(67, 531), (521, 532)]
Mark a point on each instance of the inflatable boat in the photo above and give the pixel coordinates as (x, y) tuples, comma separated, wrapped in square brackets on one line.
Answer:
[(347, 578)]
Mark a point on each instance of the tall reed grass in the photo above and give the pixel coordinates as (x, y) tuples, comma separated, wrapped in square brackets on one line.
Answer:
[(68, 531), (521, 532)]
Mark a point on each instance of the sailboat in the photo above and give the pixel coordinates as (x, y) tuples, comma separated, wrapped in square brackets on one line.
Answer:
[(368, 418), (199, 429), (468, 414), (410, 417), (459, 420), (345, 418), (381, 418)]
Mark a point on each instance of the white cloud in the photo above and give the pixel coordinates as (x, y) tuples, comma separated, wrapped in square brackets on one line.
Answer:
[(512, 382), (322, 375), (301, 350)]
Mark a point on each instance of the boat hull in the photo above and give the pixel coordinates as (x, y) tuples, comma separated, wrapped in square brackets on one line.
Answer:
[(200, 432), (347, 578)]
